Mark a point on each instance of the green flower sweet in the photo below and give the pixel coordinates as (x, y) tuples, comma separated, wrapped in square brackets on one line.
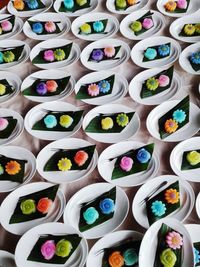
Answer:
[(122, 119), (152, 84), (136, 26), (1, 170), (168, 258), (8, 56), (86, 28), (193, 158), (59, 54), (121, 3), (81, 2), (197, 28), (28, 206), (130, 257), (63, 248)]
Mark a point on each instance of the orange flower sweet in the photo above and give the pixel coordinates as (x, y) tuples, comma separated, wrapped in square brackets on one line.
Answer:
[(13, 167), (170, 5), (172, 196), (44, 205), (18, 4), (171, 126), (116, 259), (131, 2), (81, 157)]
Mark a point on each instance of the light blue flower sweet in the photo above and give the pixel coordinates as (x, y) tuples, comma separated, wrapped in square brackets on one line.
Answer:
[(1, 57), (104, 86), (150, 53), (107, 206), (195, 58), (98, 26), (32, 4), (130, 257), (143, 156), (179, 115), (37, 27), (196, 256), (158, 208), (50, 121), (90, 215), (1, 170), (69, 4), (164, 50)]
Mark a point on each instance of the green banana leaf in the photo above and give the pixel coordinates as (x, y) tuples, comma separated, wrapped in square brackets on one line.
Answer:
[(196, 67), (182, 33), (26, 8), (104, 21), (75, 8), (17, 51), (12, 123), (58, 30), (180, 10), (143, 30), (158, 56), (9, 88), (185, 165), (117, 48)]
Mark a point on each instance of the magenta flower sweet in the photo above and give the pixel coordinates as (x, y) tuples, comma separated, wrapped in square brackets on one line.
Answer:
[(49, 55), (174, 240), (126, 163), (163, 80), (3, 124), (6, 26), (182, 4), (147, 23), (48, 249)]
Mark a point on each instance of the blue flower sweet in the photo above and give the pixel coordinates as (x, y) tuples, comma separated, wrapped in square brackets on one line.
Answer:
[(196, 256), (90, 215), (97, 55), (104, 86), (179, 115), (158, 208), (98, 26), (143, 156), (32, 4), (1, 57), (130, 257), (164, 50), (37, 27), (107, 206), (69, 3), (195, 58), (50, 121), (1, 169), (150, 53)]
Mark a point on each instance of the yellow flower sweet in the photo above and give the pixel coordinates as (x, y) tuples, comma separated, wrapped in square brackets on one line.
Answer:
[(2, 89), (13, 167), (66, 121), (193, 158), (189, 29), (107, 123), (172, 196), (170, 126), (170, 5), (168, 258), (64, 164)]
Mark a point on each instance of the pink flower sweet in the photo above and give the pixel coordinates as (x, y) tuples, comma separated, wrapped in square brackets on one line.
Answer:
[(6, 26), (49, 55), (126, 163), (3, 124), (182, 4), (93, 89), (147, 23), (163, 80), (174, 240), (109, 51), (51, 86), (50, 26), (48, 249)]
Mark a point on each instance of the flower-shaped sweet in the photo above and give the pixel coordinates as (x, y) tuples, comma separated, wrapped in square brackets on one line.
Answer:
[(1, 57), (164, 50), (179, 115), (59, 54), (44, 205), (64, 164), (50, 26), (196, 256), (81, 2), (131, 2), (18, 4), (163, 80), (104, 86), (122, 119), (168, 258), (68, 4), (174, 240), (126, 163), (41, 88), (107, 206), (107, 123), (116, 259), (98, 26), (1, 31), (189, 29), (51, 86), (37, 27), (86, 28), (12, 167), (170, 126), (93, 89), (97, 55), (49, 55), (28, 206), (195, 58), (63, 248), (170, 5), (8, 56), (48, 249), (136, 26), (158, 208), (6, 25), (182, 4), (193, 157), (2, 89), (143, 156), (3, 124), (81, 157), (109, 51), (172, 196), (152, 84), (121, 3), (147, 23), (32, 4), (90, 215), (1, 170), (50, 121), (150, 53), (130, 257), (66, 121), (197, 28)]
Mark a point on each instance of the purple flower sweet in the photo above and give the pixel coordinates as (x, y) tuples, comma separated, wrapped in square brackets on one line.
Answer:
[(48, 249), (41, 88), (97, 55)]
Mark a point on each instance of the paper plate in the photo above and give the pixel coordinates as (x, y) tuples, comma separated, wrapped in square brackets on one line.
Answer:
[(17, 27), (7, 259), (110, 4)]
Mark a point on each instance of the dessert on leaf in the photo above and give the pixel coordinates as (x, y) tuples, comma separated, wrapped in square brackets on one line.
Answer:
[(44, 27), (7, 126), (93, 27), (190, 30), (28, 5), (5, 88), (157, 52), (7, 25), (143, 24), (177, 6), (10, 55), (194, 60), (107, 53), (74, 5), (124, 4), (190, 160)]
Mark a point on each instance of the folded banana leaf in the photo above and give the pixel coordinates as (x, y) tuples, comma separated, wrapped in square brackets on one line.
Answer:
[(83, 226), (197, 247), (170, 208), (26, 7), (104, 21), (12, 123), (39, 59), (196, 67), (9, 87), (158, 56), (162, 245), (76, 115), (94, 125), (58, 30), (83, 94), (185, 165), (75, 8), (145, 16), (124, 8), (11, 19), (17, 51), (183, 105), (117, 48), (182, 32), (145, 92), (51, 164), (180, 10), (19, 217), (62, 85)]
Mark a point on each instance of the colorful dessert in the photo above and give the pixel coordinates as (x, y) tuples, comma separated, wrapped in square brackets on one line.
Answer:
[(11, 55), (7, 126), (45, 27), (124, 4), (5, 88), (190, 160), (93, 27), (74, 5), (194, 59), (157, 52), (142, 24), (177, 6), (28, 5), (196, 250), (106, 53)]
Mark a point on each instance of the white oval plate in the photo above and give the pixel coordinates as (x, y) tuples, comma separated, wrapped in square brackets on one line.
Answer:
[(187, 198), (197, 205), (120, 87), (9, 204), (64, 177), (90, 192), (105, 166), (123, 54), (184, 61), (18, 129), (177, 155), (7, 259), (14, 43), (129, 131), (135, 87), (137, 53), (94, 5), (48, 74), (54, 43), (190, 129), (37, 113), (17, 27), (64, 25), (178, 24), (110, 30), (24, 14), (110, 4), (149, 243), (12, 79), (108, 241), (28, 240), (194, 232), (194, 6), (158, 19), (30, 167)]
